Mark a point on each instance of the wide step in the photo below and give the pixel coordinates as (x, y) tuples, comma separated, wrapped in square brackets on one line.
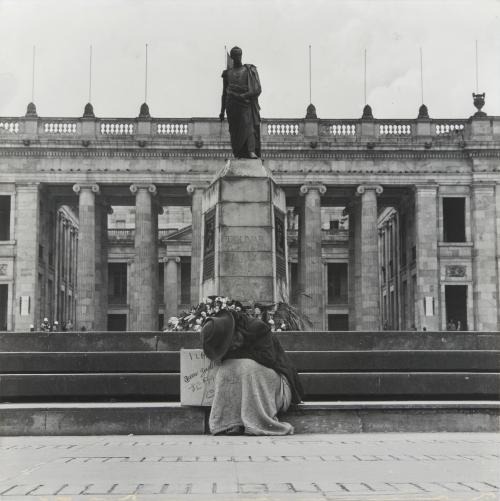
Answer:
[(321, 417)]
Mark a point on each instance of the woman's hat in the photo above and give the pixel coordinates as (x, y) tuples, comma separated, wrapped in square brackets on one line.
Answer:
[(217, 334)]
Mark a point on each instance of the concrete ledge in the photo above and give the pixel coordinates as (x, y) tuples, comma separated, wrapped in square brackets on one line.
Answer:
[(395, 417), (145, 418), (291, 341), (101, 419)]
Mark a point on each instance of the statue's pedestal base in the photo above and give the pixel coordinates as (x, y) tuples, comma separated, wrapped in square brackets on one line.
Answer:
[(244, 252)]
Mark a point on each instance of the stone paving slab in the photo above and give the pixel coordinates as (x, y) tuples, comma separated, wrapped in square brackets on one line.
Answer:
[(378, 467)]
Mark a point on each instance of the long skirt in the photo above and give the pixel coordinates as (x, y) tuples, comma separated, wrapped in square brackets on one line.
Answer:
[(249, 395)]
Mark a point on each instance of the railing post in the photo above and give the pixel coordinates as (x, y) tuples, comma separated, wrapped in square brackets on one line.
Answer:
[(89, 123)]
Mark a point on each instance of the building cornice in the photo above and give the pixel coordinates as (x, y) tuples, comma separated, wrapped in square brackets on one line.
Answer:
[(404, 154)]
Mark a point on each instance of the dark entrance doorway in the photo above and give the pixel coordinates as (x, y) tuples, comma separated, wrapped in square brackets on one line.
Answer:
[(456, 306), (338, 322), (4, 294), (117, 322)]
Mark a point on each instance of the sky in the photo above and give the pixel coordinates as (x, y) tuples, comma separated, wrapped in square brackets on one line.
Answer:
[(186, 40)]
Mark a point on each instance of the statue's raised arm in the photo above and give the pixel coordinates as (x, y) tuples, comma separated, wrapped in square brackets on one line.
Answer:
[(240, 93)]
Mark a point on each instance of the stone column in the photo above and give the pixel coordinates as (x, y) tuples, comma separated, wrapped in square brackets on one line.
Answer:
[(26, 234), (57, 259), (367, 253), (426, 241), (397, 273), (170, 287), (86, 279), (354, 228), (310, 261), (101, 265), (145, 281), (386, 306), (196, 191), (75, 282), (484, 267)]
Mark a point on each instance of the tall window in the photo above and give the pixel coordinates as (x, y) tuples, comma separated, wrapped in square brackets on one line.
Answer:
[(337, 283), (117, 276), (454, 219), (4, 217)]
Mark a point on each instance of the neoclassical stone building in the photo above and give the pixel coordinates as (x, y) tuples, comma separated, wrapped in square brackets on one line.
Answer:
[(391, 223)]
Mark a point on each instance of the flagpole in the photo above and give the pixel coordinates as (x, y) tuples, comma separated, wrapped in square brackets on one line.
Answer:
[(477, 71), (90, 74), (421, 77), (310, 77), (146, 77), (365, 78), (33, 76)]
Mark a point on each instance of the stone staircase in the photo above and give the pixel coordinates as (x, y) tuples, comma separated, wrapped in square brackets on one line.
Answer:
[(128, 382)]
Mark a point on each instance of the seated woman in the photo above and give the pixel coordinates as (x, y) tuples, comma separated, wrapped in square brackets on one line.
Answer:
[(256, 379)]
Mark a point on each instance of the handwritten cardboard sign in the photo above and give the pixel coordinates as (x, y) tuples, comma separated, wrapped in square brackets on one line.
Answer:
[(197, 378)]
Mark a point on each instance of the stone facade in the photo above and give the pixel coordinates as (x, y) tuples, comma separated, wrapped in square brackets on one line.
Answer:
[(408, 262)]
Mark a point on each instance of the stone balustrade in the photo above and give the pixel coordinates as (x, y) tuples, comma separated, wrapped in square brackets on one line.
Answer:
[(197, 132)]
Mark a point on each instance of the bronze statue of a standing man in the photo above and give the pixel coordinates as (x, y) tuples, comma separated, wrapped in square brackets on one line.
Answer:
[(240, 92)]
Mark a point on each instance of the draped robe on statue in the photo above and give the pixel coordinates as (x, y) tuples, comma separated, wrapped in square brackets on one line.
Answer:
[(243, 113)]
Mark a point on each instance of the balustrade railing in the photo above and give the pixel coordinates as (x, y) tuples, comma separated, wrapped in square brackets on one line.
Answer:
[(121, 234), (326, 234), (60, 127), (395, 129), (202, 131), (448, 128), (127, 234), (171, 128), (283, 128), (117, 128), (9, 126), (341, 129)]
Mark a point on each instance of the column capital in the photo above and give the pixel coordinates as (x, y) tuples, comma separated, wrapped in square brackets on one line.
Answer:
[(363, 188), (134, 188), (306, 188), (77, 188), (488, 186), (432, 187), (28, 186), (176, 259), (200, 185)]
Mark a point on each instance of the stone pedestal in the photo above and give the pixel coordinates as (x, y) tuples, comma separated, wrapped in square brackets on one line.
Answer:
[(244, 252)]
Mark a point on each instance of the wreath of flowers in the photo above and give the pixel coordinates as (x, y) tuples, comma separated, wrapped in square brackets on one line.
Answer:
[(280, 316)]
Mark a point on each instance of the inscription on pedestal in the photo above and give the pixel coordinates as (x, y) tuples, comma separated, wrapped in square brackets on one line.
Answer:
[(242, 242)]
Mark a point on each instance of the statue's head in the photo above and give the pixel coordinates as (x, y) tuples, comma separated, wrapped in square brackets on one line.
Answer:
[(235, 54)]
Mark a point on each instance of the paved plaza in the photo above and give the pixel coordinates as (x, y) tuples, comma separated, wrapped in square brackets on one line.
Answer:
[(444, 466)]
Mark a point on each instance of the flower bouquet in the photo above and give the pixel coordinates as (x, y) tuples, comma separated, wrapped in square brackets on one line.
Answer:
[(280, 316)]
